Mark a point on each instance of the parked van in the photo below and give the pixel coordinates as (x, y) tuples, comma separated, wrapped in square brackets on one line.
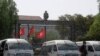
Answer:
[(15, 47), (59, 48), (93, 47)]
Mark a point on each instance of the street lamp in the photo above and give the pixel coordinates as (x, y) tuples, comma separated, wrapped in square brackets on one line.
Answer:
[(46, 16), (99, 5)]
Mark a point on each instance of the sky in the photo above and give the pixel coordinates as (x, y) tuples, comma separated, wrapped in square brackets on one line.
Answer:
[(56, 8)]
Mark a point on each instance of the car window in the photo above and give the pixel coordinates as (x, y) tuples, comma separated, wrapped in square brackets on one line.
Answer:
[(70, 46), (96, 47), (25, 46), (90, 48), (54, 48)]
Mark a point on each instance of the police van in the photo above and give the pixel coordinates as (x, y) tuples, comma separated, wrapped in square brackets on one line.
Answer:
[(15, 47), (59, 48), (93, 47)]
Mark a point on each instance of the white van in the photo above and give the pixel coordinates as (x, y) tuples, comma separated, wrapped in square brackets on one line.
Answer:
[(59, 48), (15, 47), (93, 47)]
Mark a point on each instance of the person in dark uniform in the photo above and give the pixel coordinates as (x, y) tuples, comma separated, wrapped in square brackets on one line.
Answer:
[(83, 49)]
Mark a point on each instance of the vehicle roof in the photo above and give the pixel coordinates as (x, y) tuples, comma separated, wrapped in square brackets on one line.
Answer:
[(52, 42), (89, 42), (15, 40)]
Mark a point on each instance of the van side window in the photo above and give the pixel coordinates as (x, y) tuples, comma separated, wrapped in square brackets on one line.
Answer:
[(90, 48), (55, 48)]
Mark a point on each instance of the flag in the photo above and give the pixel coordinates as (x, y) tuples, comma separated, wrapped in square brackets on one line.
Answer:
[(31, 31), (22, 31), (41, 34)]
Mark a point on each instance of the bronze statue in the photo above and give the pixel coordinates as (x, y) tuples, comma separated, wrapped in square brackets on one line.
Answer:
[(46, 16)]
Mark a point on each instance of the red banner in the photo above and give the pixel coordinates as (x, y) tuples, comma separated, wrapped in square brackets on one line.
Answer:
[(41, 34), (22, 31), (31, 31)]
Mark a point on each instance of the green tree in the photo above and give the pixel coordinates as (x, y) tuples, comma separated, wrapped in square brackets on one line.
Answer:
[(61, 27), (89, 21), (8, 18), (94, 31), (72, 26), (82, 25), (78, 25), (52, 35)]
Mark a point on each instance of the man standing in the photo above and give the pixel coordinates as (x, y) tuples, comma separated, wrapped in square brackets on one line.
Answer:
[(83, 49)]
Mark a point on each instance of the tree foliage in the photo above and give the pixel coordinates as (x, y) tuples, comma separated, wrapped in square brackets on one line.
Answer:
[(88, 21), (94, 31), (78, 25), (8, 17), (61, 27), (52, 35), (82, 25)]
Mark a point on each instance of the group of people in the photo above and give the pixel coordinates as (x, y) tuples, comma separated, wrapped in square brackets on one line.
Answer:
[(83, 49)]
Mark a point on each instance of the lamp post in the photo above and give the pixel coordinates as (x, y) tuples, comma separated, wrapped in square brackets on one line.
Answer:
[(46, 16), (98, 5)]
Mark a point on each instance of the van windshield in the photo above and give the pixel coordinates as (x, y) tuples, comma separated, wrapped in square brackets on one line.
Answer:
[(70, 46), (97, 47), (23, 46)]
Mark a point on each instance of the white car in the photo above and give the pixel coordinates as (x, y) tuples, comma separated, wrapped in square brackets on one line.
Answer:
[(59, 48), (93, 47), (15, 47)]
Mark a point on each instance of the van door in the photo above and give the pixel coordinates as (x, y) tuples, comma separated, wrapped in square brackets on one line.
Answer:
[(2, 46), (5, 50), (90, 50), (44, 51), (54, 50), (49, 48)]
